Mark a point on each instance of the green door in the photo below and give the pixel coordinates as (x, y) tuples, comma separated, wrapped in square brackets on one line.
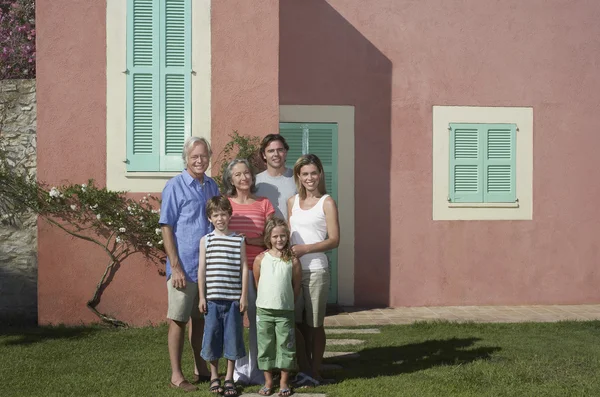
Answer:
[(320, 139)]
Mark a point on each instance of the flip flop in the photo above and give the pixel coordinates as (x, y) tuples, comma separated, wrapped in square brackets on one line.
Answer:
[(285, 392), (265, 391), (184, 385)]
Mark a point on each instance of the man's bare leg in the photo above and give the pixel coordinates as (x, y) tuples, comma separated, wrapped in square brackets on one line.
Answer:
[(175, 341), (196, 333)]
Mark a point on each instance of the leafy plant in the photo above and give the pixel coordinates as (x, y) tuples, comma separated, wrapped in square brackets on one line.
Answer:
[(17, 39), (241, 147)]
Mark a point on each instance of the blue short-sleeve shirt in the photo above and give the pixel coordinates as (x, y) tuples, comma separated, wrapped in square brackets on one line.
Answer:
[(183, 208)]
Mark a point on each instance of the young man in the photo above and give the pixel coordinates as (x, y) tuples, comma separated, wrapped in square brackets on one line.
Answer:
[(277, 182), (183, 223)]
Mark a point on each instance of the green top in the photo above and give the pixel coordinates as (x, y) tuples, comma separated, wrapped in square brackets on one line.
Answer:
[(275, 290)]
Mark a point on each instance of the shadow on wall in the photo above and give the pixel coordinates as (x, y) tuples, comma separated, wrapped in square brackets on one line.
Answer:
[(18, 292), (324, 60)]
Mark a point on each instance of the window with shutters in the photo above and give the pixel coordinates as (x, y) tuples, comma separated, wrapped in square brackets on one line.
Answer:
[(482, 163), (158, 83)]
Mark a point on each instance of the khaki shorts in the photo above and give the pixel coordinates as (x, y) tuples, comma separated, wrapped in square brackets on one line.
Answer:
[(313, 297), (183, 302)]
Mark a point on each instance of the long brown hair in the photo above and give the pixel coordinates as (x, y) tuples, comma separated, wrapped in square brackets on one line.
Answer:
[(309, 159), (286, 253)]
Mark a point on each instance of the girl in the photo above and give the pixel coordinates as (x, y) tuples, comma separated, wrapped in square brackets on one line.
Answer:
[(278, 275), (315, 228)]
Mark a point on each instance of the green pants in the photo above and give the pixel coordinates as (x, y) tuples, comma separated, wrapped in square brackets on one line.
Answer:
[(275, 333)]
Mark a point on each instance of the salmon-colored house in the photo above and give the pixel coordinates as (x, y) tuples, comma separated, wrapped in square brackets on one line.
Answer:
[(460, 136)]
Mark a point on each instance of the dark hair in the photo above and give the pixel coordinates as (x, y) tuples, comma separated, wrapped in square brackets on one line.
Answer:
[(271, 138), (286, 254), (218, 203), (308, 159)]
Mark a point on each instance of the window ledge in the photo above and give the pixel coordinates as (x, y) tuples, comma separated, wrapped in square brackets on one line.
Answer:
[(483, 205), (151, 175)]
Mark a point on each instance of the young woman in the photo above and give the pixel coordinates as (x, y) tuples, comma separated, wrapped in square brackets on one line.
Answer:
[(313, 218)]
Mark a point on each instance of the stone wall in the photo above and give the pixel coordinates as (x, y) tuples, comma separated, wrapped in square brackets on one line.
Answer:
[(18, 243)]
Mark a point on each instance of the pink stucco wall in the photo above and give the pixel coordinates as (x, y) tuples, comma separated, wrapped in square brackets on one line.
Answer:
[(71, 81), (71, 86), (393, 60), (245, 55)]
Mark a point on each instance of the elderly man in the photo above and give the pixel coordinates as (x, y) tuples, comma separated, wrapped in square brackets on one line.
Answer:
[(183, 223)]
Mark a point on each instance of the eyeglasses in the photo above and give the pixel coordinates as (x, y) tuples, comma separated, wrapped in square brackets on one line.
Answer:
[(203, 157)]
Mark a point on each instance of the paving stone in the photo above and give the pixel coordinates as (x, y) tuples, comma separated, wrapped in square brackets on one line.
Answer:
[(341, 342), (331, 367), (337, 331), (298, 394), (341, 355)]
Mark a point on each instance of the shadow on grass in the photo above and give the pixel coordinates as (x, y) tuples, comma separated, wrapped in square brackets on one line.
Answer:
[(13, 336), (394, 360)]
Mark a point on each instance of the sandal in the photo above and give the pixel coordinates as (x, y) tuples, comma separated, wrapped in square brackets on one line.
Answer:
[(285, 392), (265, 391), (304, 381), (230, 389), (215, 386)]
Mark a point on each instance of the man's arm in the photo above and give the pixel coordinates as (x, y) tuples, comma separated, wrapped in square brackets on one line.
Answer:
[(177, 275), (202, 276)]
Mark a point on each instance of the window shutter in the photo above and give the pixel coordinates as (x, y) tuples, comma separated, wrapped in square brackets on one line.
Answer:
[(293, 133), (175, 82), (500, 163), (142, 86), (466, 164), (322, 142)]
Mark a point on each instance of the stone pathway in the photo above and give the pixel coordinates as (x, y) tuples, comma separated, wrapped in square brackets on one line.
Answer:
[(482, 314)]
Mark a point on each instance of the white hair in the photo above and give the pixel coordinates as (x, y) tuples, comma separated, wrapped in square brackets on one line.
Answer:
[(189, 145)]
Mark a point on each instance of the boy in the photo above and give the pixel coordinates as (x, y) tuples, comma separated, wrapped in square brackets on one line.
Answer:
[(222, 284)]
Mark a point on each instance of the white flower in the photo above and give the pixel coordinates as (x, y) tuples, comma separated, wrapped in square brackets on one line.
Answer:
[(149, 244), (109, 223), (154, 211), (118, 239), (160, 242), (122, 230), (129, 209), (98, 216), (83, 186), (93, 207), (141, 218), (73, 207), (54, 192), (157, 231)]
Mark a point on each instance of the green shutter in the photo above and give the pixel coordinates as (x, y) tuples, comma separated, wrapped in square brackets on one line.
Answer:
[(142, 86), (500, 163), (293, 133), (466, 164), (175, 82), (323, 142)]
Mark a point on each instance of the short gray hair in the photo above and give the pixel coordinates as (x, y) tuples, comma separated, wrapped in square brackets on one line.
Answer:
[(189, 145), (228, 188)]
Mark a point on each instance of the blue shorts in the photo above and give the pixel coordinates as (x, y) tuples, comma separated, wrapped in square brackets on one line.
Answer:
[(223, 331)]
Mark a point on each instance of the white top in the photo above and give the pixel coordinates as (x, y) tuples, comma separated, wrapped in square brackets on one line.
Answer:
[(309, 227)]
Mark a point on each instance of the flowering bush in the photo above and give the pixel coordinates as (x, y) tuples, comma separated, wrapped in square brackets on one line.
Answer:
[(17, 39)]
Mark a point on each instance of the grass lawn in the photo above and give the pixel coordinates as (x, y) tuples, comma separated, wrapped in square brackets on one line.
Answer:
[(424, 359)]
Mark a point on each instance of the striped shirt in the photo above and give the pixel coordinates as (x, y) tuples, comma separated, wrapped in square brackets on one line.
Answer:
[(223, 267), (250, 220)]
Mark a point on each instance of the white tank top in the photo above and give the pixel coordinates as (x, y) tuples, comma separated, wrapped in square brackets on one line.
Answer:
[(309, 227)]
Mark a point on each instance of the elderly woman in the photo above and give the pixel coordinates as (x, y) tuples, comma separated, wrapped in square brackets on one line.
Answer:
[(250, 214)]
